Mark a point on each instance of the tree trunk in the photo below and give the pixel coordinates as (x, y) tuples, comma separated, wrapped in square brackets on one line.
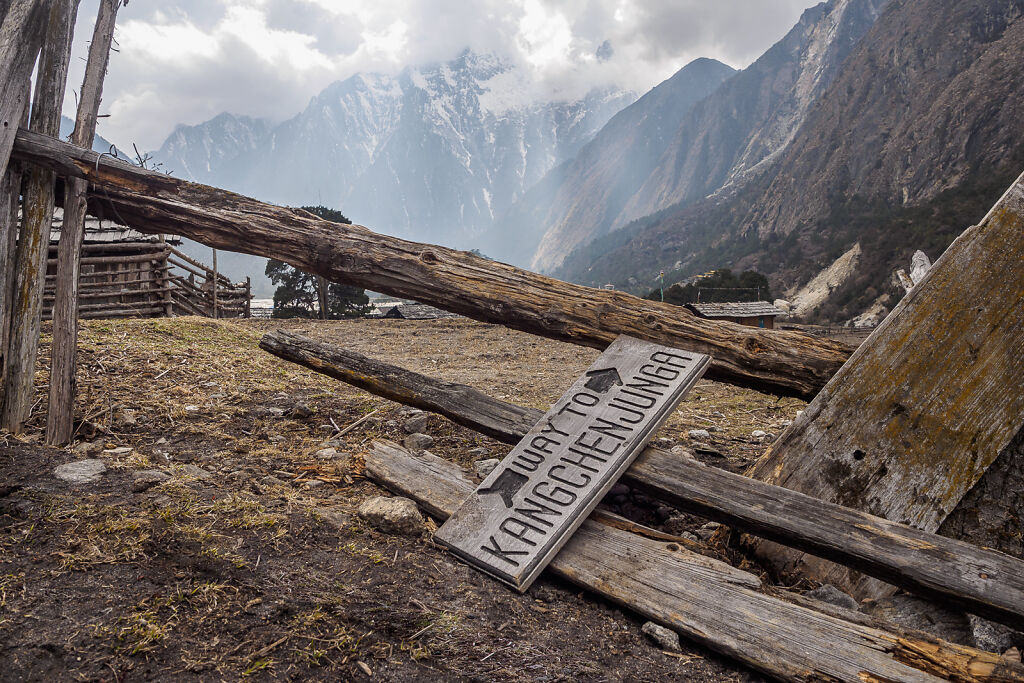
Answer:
[(926, 404), (37, 220), (712, 603), (785, 363), (947, 570), (60, 418)]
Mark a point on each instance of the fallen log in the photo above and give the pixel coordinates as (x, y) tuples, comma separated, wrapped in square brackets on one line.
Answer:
[(785, 363), (916, 417), (985, 582), (711, 602)]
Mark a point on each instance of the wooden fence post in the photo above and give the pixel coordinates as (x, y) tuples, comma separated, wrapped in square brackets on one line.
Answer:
[(21, 36), (37, 219), (214, 280), (10, 201), (65, 305)]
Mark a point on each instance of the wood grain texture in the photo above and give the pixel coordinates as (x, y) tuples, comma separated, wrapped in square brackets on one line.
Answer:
[(61, 407), (37, 219), (530, 504), (978, 580), (911, 423), (21, 37), (785, 363), (723, 609)]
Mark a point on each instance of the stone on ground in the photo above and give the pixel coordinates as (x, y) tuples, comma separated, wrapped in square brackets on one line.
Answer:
[(416, 423), (485, 467), (833, 596), (147, 479), (666, 639), (699, 434), (81, 471), (392, 515), (418, 442)]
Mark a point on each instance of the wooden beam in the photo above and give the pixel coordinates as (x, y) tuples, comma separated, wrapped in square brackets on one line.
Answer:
[(37, 220), (710, 602), (982, 581), (21, 37), (912, 422), (782, 362), (59, 427)]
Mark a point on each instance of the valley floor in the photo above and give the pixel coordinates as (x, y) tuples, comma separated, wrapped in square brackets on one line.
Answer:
[(232, 562)]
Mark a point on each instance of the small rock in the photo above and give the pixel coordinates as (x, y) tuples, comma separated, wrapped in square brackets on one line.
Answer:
[(326, 453), (666, 639), (276, 438), (123, 450), (147, 479), (81, 471), (332, 518), (683, 451), (708, 530), (664, 443), (713, 429), (990, 636), (392, 515), (89, 448), (699, 434), (717, 415), (478, 452), (161, 441), (271, 480), (314, 484), (191, 409), (758, 433), (416, 424), (833, 596), (333, 443), (125, 419), (196, 471), (418, 442), (689, 537), (300, 411), (274, 412), (485, 467)]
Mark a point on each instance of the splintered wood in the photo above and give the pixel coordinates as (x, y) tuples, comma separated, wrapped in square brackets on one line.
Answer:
[(529, 506)]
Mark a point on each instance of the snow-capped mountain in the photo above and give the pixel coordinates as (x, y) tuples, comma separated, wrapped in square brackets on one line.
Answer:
[(435, 153)]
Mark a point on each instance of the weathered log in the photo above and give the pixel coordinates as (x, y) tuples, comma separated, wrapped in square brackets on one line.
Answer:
[(978, 580), (10, 205), (710, 602), (786, 363), (912, 422), (21, 37), (37, 219), (60, 415)]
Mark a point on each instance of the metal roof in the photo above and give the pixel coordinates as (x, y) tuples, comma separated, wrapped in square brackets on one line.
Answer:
[(418, 312), (735, 309), (102, 231)]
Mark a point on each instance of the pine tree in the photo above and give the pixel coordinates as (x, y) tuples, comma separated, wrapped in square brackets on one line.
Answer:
[(302, 295)]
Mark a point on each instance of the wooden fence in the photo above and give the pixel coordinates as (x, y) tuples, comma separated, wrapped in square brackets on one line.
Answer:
[(148, 280)]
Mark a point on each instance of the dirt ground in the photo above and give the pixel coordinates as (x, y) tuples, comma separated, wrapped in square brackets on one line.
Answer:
[(247, 560)]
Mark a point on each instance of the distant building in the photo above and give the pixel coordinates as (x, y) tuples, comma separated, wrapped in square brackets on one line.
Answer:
[(418, 312), (751, 313)]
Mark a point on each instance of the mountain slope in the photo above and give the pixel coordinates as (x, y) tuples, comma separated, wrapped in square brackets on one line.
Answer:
[(919, 133), (726, 138), (432, 154), (580, 201)]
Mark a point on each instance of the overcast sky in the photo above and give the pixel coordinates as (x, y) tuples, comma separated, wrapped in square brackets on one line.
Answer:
[(185, 61)]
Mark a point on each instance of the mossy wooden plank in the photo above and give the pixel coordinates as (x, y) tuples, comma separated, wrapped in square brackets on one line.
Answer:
[(913, 420)]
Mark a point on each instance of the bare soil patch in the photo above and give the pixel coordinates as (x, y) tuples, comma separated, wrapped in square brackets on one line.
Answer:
[(249, 560)]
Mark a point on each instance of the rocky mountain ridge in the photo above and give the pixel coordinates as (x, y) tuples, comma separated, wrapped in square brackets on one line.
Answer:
[(721, 141)]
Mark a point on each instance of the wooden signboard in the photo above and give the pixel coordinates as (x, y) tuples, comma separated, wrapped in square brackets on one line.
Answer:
[(529, 506)]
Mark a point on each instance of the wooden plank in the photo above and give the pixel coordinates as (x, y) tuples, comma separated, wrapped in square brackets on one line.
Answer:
[(21, 36), (37, 219), (979, 580), (911, 423), (786, 363), (710, 602), (529, 506)]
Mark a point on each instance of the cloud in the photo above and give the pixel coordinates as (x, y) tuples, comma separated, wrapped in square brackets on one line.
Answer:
[(185, 61)]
